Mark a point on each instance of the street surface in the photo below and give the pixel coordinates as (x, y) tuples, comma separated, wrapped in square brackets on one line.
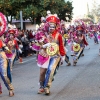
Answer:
[(80, 82)]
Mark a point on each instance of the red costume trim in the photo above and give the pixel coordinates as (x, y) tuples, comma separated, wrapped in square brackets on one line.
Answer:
[(84, 40), (16, 44), (60, 41), (1, 44)]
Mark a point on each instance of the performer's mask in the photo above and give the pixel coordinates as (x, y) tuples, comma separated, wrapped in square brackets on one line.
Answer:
[(52, 27)]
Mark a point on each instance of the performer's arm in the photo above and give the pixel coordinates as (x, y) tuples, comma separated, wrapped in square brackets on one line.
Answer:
[(61, 46)]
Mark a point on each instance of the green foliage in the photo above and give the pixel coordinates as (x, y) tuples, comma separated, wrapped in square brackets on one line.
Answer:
[(34, 9)]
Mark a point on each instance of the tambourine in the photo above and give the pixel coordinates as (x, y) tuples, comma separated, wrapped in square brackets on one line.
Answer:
[(2, 24), (66, 36), (76, 47), (52, 49)]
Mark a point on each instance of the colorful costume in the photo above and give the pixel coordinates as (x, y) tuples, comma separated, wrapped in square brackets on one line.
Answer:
[(54, 60), (46, 62), (3, 68), (80, 39), (3, 58)]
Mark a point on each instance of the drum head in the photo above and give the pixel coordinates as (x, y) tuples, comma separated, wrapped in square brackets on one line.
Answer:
[(66, 36), (76, 47), (52, 49)]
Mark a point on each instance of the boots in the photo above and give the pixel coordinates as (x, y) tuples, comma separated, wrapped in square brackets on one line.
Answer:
[(0, 89), (82, 55), (47, 91), (11, 93), (74, 63), (20, 60), (41, 89), (68, 64)]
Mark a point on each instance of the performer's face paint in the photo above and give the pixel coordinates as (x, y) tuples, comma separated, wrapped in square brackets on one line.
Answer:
[(11, 36), (52, 27)]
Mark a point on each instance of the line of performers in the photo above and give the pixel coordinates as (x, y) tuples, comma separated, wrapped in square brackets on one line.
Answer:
[(50, 43)]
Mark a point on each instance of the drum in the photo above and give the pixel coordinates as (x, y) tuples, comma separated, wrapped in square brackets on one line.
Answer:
[(76, 47), (66, 36), (53, 49)]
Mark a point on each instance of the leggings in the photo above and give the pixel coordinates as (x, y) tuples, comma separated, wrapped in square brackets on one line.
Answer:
[(3, 71)]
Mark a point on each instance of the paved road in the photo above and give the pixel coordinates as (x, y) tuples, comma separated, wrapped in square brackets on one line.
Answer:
[(81, 82)]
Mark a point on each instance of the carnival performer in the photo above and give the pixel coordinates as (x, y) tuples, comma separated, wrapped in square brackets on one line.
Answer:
[(42, 58), (4, 68), (3, 58), (54, 60), (80, 39), (13, 46), (65, 36), (95, 36)]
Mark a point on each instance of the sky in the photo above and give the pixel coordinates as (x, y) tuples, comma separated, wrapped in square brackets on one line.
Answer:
[(80, 6)]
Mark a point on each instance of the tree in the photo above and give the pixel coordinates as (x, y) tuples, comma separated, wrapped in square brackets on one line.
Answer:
[(95, 12), (11, 7), (35, 9)]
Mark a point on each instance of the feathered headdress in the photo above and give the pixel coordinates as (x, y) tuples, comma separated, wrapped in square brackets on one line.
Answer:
[(12, 30), (2, 24)]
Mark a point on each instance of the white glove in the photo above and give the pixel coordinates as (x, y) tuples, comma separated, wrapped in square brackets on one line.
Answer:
[(46, 45), (21, 46), (30, 46), (74, 43), (20, 50), (7, 48)]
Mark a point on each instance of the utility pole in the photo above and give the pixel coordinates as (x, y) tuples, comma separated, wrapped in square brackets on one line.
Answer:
[(21, 20)]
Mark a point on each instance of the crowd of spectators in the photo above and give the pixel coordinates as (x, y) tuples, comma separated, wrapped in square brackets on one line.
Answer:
[(24, 39)]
